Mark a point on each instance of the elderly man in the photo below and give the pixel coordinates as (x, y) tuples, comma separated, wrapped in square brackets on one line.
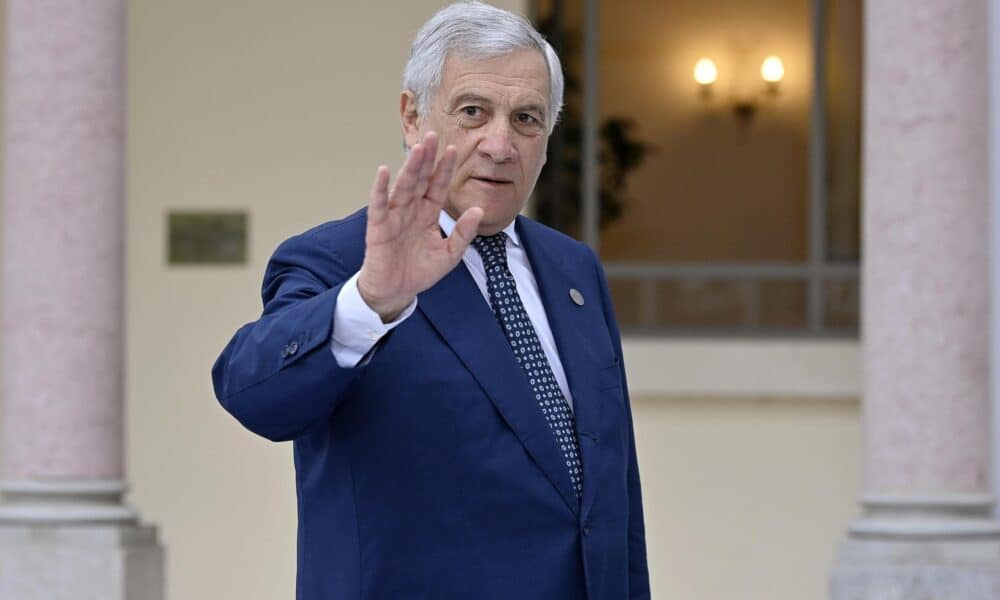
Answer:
[(450, 371)]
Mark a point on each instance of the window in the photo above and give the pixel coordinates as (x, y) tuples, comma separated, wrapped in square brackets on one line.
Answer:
[(719, 209)]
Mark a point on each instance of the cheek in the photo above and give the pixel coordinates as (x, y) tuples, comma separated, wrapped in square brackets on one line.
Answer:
[(533, 161), (534, 150), (456, 135), (542, 151), (464, 144)]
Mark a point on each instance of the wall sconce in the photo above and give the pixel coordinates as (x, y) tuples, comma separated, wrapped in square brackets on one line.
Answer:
[(772, 71), (705, 73)]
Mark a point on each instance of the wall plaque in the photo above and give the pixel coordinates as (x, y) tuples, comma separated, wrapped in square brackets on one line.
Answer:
[(206, 238)]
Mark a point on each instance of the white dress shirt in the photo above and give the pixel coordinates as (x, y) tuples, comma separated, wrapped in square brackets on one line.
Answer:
[(357, 328)]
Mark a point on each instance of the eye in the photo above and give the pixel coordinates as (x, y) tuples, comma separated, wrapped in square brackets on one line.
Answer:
[(472, 111), (528, 123)]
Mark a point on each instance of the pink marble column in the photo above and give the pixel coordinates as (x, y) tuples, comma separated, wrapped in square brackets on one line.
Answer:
[(62, 326), (927, 529), (926, 245)]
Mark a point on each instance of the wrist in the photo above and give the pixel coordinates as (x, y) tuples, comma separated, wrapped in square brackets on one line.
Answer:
[(388, 309)]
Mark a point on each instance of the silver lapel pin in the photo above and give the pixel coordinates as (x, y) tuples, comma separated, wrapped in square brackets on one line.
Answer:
[(576, 296)]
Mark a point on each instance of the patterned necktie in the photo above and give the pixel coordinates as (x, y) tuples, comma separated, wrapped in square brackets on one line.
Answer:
[(528, 350)]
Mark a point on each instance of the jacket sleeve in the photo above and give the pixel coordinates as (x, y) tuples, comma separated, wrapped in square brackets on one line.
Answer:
[(277, 375), (638, 571)]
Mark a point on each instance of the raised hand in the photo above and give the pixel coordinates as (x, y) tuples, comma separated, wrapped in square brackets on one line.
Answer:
[(404, 251)]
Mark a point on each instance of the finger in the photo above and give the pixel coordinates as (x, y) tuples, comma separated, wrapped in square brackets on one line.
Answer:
[(465, 230), (438, 190), (378, 198), (406, 180), (430, 144)]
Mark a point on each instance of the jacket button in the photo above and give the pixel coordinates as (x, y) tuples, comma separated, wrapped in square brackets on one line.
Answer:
[(293, 348), (586, 528)]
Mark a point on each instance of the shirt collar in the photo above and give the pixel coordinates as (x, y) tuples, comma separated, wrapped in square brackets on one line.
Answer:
[(448, 225)]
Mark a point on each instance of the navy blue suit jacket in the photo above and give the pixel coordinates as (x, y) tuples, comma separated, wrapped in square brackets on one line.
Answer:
[(430, 472)]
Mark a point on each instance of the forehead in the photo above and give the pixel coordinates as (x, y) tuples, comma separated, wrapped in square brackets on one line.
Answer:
[(521, 75)]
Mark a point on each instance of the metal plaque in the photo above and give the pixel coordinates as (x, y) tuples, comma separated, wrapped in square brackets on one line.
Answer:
[(200, 238)]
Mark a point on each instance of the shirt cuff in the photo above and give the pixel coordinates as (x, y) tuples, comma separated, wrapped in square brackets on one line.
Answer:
[(356, 327)]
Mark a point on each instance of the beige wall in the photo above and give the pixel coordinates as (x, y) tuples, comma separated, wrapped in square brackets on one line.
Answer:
[(245, 105), (745, 497)]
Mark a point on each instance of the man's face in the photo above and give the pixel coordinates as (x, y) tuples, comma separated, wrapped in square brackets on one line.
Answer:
[(495, 113)]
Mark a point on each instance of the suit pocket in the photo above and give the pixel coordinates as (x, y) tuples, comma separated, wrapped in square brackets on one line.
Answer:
[(610, 377)]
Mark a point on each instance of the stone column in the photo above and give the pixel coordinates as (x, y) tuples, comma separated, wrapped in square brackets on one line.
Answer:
[(64, 530), (927, 529), (994, 170)]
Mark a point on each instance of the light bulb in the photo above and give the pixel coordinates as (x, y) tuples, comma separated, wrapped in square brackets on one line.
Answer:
[(705, 72), (772, 70)]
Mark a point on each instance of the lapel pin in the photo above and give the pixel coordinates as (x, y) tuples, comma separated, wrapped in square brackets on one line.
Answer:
[(576, 296)]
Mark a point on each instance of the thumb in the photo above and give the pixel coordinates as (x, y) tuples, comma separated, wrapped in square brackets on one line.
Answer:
[(465, 230)]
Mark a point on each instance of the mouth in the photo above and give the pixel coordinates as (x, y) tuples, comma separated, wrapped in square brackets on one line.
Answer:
[(492, 181)]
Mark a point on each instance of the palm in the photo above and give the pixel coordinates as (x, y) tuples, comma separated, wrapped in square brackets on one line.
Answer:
[(404, 251)]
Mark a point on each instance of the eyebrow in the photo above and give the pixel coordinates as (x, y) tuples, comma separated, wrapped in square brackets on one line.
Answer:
[(470, 97)]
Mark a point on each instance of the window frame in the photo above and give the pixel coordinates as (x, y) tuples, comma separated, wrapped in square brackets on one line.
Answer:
[(815, 272)]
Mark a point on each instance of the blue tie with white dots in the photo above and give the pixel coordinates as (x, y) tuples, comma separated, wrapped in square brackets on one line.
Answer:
[(527, 349)]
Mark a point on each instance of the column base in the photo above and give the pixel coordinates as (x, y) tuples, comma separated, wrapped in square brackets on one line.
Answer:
[(68, 539), (916, 570), (69, 562), (920, 548), (69, 502)]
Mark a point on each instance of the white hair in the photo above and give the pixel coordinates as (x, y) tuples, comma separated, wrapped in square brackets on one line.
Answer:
[(475, 30)]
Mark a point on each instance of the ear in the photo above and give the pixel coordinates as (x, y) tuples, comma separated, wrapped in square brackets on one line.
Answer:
[(409, 117)]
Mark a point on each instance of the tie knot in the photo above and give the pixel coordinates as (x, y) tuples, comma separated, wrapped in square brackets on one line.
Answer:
[(492, 248)]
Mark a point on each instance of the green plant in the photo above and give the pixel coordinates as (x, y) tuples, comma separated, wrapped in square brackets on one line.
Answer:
[(558, 201)]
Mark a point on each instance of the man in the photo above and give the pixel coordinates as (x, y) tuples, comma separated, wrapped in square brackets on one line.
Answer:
[(451, 372)]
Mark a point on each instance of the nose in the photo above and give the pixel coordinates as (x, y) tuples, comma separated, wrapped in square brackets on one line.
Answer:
[(497, 143)]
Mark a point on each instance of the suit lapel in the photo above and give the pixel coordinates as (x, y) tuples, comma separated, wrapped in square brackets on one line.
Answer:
[(456, 309), (569, 328)]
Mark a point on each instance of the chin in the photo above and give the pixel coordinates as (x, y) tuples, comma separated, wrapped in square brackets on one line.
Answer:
[(497, 218), (495, 213)]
